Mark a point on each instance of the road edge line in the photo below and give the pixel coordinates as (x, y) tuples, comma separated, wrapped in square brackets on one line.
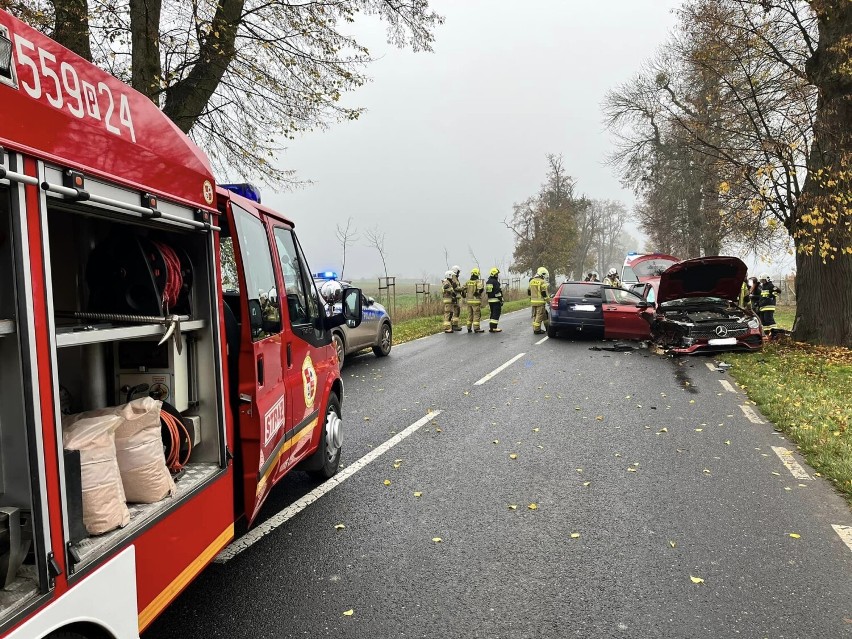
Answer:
[(499, 369)]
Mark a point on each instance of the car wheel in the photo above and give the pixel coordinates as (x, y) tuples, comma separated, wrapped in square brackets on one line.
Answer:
[(325, 462), (385, 341), (339, 347), (551, 332)]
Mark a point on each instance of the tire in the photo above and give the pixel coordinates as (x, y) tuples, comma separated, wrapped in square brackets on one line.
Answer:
[(551, 332), (339, 347), (325, 462), (383, 348)]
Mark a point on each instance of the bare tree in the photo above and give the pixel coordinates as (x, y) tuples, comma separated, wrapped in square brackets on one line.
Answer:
[(345, 235), (376, 240)]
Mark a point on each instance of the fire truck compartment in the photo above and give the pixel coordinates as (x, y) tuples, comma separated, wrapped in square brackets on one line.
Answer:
[(133, 304)]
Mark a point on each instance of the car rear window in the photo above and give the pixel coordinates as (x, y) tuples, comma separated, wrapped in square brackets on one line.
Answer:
[(580, 289)]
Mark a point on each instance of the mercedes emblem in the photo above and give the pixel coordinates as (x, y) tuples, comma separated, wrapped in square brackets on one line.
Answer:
[(721, 331)]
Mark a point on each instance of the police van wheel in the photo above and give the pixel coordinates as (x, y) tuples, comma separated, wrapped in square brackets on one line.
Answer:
[(383, 348), (339, 347), (325, 462)]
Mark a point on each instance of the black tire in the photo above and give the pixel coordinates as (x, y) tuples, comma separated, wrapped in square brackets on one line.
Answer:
[(325, 462), (383, 348), (551, 332), (339, 347)]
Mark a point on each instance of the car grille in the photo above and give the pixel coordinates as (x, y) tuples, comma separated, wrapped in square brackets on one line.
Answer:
[(707, 330)]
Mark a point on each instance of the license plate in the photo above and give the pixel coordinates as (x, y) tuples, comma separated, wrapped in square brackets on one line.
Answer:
[(584, 307), (723, 341)]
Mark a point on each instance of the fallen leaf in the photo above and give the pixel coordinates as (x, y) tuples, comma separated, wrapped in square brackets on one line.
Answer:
[(535, 430), (599, 418), (631, 470), (803, 485), (673, 544), (706, 471), (575, 535), (795, 535), (437, 540), (397, 465), (663, 430), (774, 473), (467, 392), (438, 430), (618, 454), (366, 419), (635, 463), (513, 506), (418, 494), (387, 482), (349, 613), (579, 470), (533, 506), (696, 580), (691, 401), (727, 442), (496, 441), (513, 455), (586, 483), (698, 430), (339, 527), (397, 461)]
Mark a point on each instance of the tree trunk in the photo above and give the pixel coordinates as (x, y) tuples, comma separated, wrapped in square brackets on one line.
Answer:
[(72, 26), (822, 230), (186, 100), (145, 46)]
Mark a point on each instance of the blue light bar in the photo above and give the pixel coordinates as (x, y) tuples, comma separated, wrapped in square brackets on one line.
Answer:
[(326, 275), (248, 191), (630, 253)]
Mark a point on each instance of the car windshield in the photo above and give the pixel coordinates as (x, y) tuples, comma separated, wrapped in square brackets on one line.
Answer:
[(652, 268), (696, 301)]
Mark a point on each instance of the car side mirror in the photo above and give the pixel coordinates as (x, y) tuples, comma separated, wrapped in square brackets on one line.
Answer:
[(645, 305), (352, 310)]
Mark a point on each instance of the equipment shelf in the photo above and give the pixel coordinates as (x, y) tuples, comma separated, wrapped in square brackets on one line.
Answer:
[(80, 335)]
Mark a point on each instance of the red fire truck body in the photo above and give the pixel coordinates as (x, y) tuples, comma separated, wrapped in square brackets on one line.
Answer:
[(125, 272)]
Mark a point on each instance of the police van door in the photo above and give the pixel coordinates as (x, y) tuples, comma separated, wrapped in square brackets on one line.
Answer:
[(262, 397)]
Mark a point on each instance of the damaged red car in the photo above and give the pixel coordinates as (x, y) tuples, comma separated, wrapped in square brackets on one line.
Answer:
[(696, 308)]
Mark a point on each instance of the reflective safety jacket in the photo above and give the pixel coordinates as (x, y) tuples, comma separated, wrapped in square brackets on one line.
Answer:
[(612, 281), (450, 291), (493, 290), (538, 291), (767, 296), (473, 290)]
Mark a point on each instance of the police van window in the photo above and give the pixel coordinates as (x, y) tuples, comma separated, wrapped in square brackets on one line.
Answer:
[(260, 277), (294, 277), (628, 275)]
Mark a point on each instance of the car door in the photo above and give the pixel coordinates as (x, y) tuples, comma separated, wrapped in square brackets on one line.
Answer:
[(622, 315), (262, 397), (307, 347)]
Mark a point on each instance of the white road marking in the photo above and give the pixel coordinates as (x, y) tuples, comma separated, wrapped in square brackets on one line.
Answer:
[(753, 417), (256, 534), (727, 386), (497, 370), (541, 341), (712, 367), (786, 457), (845, 533)]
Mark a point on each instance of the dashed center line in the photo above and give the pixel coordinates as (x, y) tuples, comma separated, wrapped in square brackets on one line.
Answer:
[(786, 457), (541, 341), (497, 370), (727, 386), (256, 534), (753, 417), (712, 367), (845, 533)]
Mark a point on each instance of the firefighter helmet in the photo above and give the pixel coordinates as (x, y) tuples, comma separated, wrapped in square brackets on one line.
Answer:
[(765, 277), (449, 274), (474, 271), (542, 272), (611, 272), (494, 272), (457, 269), (332, 291)]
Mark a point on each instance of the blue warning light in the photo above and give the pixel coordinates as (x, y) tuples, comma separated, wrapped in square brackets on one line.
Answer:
[(248, 191)]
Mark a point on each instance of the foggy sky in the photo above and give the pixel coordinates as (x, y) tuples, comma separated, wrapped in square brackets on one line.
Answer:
[(452, 139)]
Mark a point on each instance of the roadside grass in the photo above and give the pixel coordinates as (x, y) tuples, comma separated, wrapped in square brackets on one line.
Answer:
[(416, 327), (803, 390)]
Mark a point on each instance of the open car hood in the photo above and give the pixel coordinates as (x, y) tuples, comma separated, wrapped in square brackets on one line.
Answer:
[(703, 277)]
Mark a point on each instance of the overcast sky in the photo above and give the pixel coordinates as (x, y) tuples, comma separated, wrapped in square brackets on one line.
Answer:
[(452, 139)]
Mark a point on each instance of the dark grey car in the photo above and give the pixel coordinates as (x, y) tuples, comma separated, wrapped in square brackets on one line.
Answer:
[(375, 330)]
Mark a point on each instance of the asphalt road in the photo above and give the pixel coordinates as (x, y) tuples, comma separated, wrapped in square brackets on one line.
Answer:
[(645, 473)]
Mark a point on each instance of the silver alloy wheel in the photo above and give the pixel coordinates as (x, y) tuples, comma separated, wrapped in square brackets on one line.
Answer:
[(339, 348), (385, 342), (333, 425)]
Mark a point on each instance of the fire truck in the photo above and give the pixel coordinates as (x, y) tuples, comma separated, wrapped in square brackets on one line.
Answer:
[(128, 277)]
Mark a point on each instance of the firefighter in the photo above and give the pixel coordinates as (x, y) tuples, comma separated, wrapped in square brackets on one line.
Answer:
[(744, 300), (589, 277), (768, 299), (449, 299), (612, 278), (456, 321), (754, 293), (538, 298), (495, 299), (473, 290)]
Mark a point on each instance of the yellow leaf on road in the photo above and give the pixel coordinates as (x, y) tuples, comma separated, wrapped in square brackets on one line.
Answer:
[(691, 401), (496, 441), (418, 494), (513, 506), (575, 535), (696, 580), (397, 465), (727, 442), (437, 540), (387, 482), (579, 470), (587, 483), (533, 506), (631, 470), (706, 471), (349, 613), (663, 430), (535, 430), (673, 544), (438, 430), (774, 473), (599, 418), (339, 527), (698, 430), (795, 535), (513, 455)]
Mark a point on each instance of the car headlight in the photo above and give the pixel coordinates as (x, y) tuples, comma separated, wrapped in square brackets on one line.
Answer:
[(754, 323)]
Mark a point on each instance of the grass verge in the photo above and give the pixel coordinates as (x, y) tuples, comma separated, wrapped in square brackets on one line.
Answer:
[(803, 390), (417, 327)]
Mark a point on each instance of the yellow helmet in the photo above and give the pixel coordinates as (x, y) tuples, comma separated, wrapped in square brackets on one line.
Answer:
[(494, 272), (542, 272), (474, 271)]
